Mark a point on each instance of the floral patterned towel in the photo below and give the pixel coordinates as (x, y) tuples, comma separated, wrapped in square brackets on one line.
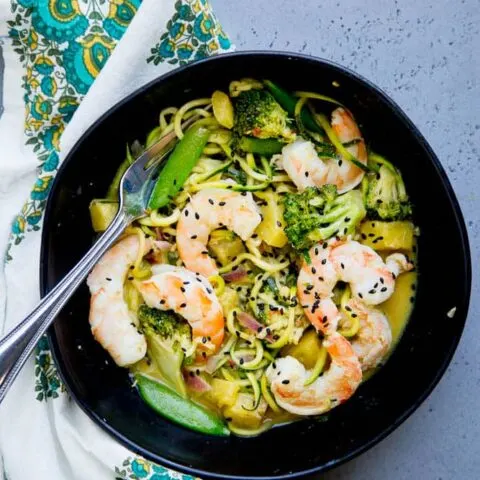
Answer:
[(62, 64)]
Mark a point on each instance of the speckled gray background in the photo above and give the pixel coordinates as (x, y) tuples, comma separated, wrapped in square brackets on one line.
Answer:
[(424, 53)]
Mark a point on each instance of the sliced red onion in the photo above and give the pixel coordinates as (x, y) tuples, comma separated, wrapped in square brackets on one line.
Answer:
[(212, 363), (162, 245), (251, 323), (197, 383), (235, 275)]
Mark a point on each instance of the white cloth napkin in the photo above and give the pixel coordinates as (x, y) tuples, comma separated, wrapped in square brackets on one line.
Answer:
[(53, 53)]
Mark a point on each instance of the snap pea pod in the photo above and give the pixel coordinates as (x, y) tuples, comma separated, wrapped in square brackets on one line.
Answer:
[(288, 102), (179, 166), (172, 406), (261, 146)]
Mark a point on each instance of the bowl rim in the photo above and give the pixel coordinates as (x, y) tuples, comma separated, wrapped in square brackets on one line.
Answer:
[(462, 306)]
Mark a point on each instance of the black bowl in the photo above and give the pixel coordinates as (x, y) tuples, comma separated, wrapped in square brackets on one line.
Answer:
[(104, 391)]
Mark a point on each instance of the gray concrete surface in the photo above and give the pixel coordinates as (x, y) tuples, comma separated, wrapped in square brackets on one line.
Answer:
[(424, 53)]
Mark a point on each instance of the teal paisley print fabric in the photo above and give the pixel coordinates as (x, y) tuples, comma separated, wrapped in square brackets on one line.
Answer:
[(139, 469), (193, 33), (63, 45)]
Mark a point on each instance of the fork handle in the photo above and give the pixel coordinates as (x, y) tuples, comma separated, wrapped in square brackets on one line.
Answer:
[(18, 344)]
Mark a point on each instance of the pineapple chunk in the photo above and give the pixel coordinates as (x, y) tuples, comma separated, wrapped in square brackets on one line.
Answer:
[(307, 350), (272, 228), (387, 235), (241, 414), (223, 392)]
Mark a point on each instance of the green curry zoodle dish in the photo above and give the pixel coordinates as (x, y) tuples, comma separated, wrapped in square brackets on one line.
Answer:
[(274, 271)]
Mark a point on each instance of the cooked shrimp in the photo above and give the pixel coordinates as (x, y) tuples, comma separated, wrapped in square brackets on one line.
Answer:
[(371, 279), (207, 210), (303, 165), (191, 296), (374, 338), (287, 378), (113, 325)]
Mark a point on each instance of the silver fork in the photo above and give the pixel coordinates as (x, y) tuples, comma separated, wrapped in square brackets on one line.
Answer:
[(135, 187)]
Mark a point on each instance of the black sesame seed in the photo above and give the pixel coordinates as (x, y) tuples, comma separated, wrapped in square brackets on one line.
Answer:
[(186, 212), (324, 319), (279, 223), (130, 278), (268, 331), (325, 245), (307, 174), (371, 235), (197, 216), (382, 280), (222, 204), (242, 361), (345, 230), (321, 279), (342, 265), (108, 279), (209, 290), (314, 270), (182, 289), (259, 329), (340, 162), (191, 374), (364, 237), (162, 302), (210, 201), (204, 339), (376, 285), (354, 315), (324, 261), (285, 382), (316, 251), (360, 295), (183, 305), (274, 365), (372, 291), (347, 219), (204, 354), (276, 337), (347, 308), (384, 289)]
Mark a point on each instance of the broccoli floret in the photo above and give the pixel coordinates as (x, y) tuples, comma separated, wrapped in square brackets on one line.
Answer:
[(169, 339), (258, 114), (318, 214), (384, 192)]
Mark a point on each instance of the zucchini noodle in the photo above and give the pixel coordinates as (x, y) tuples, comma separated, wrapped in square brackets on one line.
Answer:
[(270, 267), (157, 220), (267, 395), (252, 364), (318, 367), (179, 115)]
